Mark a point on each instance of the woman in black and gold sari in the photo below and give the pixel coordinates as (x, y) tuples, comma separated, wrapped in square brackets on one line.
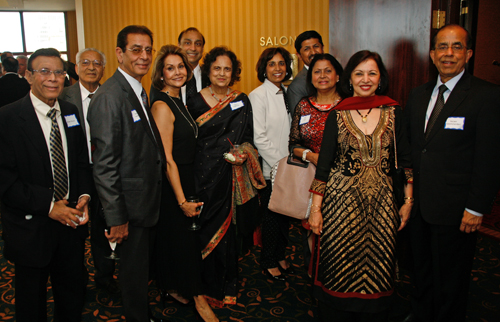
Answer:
[(224, 117), (354, 209)]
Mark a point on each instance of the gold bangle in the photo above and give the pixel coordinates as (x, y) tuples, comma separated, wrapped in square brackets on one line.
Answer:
[(182, 203), (315, 210), (315, 206)]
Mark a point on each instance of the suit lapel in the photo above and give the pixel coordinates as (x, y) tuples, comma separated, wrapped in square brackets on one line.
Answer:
[(452, 103), (76, 94), (31, 126), (138, 108), (423, 104)]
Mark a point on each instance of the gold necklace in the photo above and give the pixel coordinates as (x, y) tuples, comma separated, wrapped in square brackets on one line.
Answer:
[(363, 117)]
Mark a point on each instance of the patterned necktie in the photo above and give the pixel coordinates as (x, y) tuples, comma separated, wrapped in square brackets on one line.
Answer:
[(285, 98), (58, 159), (190, 88), (438, 107), (144, 97)]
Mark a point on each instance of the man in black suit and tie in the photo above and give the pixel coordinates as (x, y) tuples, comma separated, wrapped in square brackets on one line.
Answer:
[(12, 87), (307, 44), (192, 42), (455, 138), (43, 166), (128, 165), (90, 65)]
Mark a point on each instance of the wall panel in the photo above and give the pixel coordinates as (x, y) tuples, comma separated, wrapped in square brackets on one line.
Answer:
[(237, 24)]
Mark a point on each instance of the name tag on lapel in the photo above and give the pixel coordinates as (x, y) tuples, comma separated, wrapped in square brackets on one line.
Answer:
[(236, 105), (455, 123), (71, 120), (135, 116), (304, 119)]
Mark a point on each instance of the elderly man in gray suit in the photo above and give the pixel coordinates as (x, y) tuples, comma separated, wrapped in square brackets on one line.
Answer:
[(90, 65), (307, 44), (129, 162)]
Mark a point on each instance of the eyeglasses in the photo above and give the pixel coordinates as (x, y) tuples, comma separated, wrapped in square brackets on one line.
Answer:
[(48, 72), (86, 63), (138, 50), (456, 48)]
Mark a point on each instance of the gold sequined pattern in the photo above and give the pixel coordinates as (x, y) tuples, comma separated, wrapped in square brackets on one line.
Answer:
[(360, 216)]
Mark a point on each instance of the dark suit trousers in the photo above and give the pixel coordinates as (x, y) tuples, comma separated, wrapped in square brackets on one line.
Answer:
[(67, 277), (443, 258), (99, 245), (135, 254), (275, 228)]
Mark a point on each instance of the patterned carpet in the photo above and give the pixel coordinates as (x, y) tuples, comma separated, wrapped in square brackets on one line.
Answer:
[(261, 299), (491, 221)]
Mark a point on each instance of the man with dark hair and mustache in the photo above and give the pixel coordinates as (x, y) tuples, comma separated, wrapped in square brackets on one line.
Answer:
[(307, 44)]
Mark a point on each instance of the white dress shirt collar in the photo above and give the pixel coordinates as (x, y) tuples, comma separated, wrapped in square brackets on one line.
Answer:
[(135, 84)]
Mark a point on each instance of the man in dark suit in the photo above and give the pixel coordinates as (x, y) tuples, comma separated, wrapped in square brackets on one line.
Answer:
[(192, 43), (90, 65), (307, 44), (455, 138), (128, 165), (12, 87), (43, 165)]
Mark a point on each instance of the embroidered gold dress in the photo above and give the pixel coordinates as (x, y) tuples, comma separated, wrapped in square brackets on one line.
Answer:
[(355, 263)]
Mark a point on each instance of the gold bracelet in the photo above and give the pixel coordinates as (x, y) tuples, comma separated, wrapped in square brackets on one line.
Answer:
[(315, 206), (315, 210), (182, 203)]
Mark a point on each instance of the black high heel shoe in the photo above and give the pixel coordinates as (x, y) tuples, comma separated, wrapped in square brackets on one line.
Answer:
[(280, 277), (289, 270)]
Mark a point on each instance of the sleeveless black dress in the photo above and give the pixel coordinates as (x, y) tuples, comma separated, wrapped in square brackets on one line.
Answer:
[(177, 253)]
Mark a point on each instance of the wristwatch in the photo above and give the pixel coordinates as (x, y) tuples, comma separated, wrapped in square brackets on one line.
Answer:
[(306, 151)]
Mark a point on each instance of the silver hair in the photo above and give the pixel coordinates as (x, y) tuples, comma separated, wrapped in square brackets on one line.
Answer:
[(22, 57), (91, 49)]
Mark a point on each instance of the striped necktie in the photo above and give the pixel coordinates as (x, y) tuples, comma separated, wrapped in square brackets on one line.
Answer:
[(58, 160)]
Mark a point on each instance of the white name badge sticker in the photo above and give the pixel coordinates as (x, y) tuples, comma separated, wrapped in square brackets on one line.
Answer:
[(304, 119), (71, 120), (455, 123), (135, 116), (236, 105)]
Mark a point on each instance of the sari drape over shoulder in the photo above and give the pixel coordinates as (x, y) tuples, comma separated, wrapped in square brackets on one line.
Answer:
[(230, 121)]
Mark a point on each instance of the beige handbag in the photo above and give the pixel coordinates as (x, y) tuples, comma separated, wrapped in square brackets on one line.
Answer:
[(291, 180)]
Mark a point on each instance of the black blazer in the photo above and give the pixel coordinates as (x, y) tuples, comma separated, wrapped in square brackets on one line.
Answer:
[(456, 169), (26, 185), (12, 88)]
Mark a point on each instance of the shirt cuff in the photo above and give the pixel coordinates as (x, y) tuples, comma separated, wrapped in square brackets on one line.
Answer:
[(475, 213), (87, 195)]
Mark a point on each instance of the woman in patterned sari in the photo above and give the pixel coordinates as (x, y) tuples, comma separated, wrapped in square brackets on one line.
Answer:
[(224, 117), (354, 209)]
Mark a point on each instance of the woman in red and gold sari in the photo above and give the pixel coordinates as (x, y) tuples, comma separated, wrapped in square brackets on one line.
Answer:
[(224, 117)]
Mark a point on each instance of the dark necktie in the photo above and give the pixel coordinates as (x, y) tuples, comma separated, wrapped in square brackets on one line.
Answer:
[(285, 98), (58, 159), (90, 96), (438, 107), (191, 88), (144, 97)]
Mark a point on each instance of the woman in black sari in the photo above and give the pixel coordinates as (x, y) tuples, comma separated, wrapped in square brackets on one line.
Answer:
[(224, 117)]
